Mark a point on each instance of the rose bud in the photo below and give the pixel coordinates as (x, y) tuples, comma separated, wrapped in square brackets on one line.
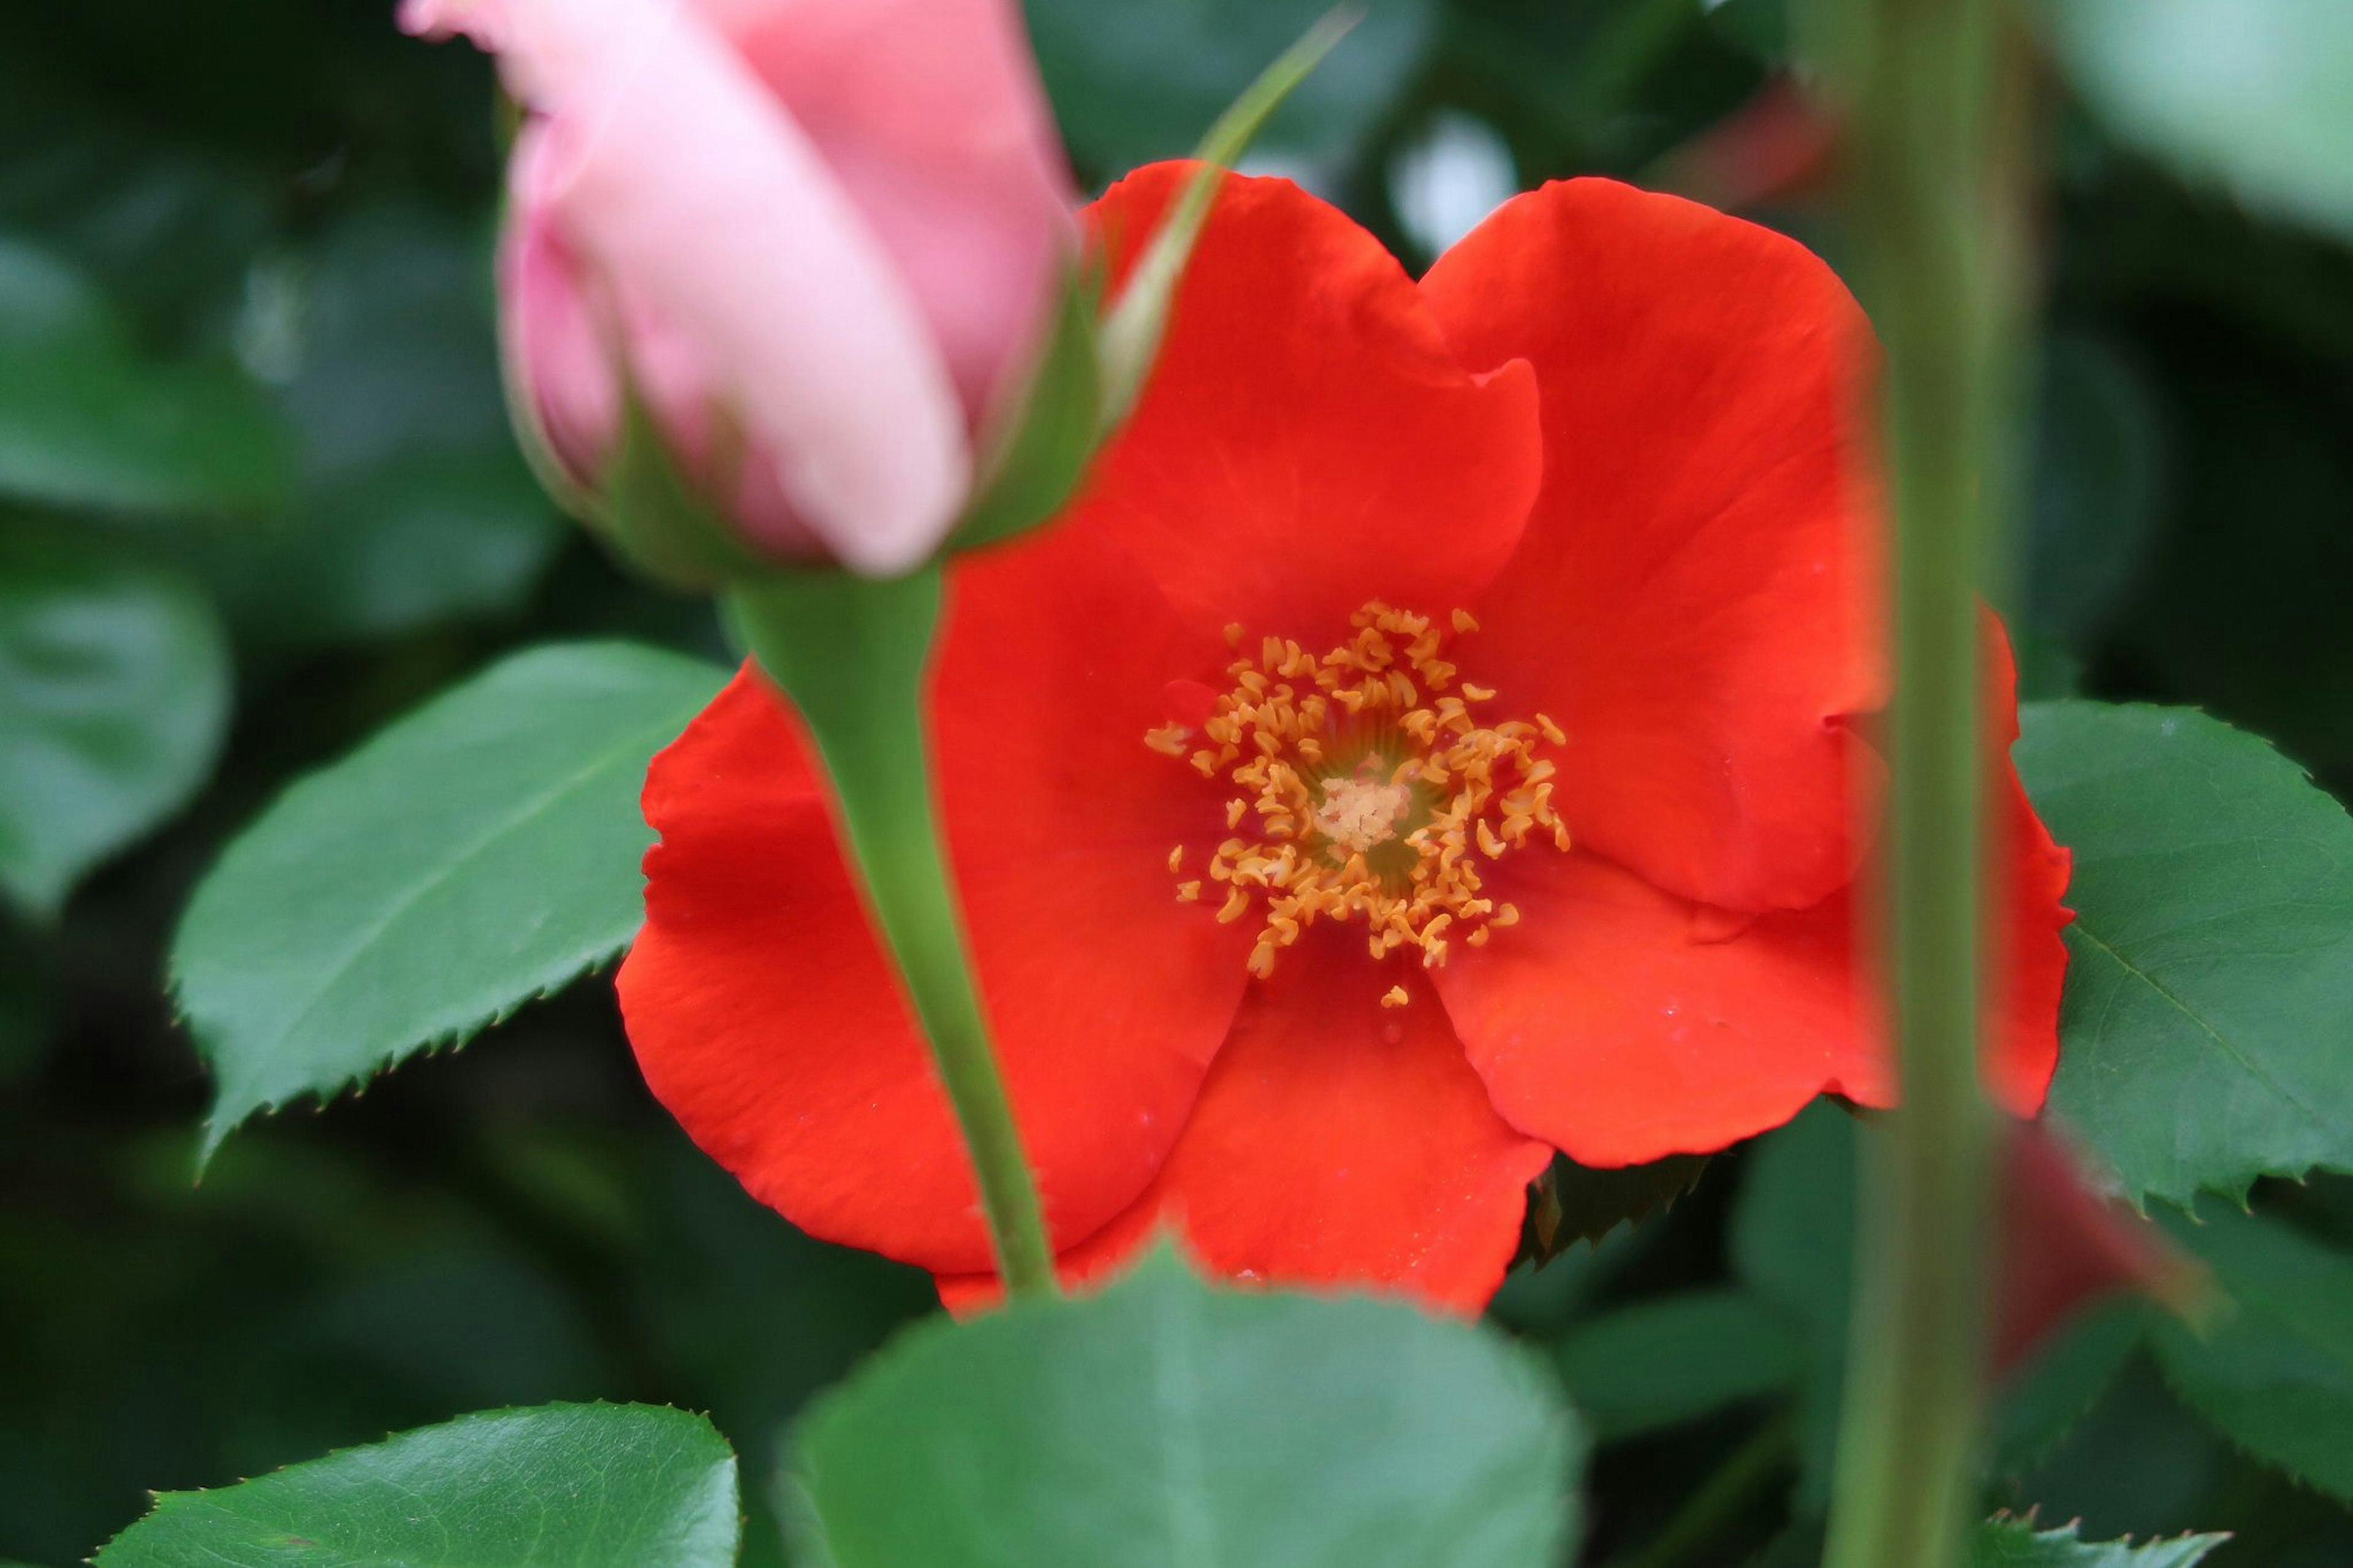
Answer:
[(777, 274)]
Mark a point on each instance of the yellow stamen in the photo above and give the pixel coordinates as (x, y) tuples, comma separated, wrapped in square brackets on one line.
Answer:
[(1363, 802), (1394, 996)]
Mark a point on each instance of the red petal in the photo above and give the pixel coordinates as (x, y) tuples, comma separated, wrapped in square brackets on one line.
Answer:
[(1337, 1142), (2032, 874), (1694, 598), (762, 1009), (1624, 1024), (1307, 441), (1616, 1025)]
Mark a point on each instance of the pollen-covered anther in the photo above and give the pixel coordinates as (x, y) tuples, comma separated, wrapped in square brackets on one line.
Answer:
[(1367, 786)]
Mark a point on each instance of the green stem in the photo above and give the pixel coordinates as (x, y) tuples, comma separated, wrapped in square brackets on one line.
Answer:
[(1737, 1482), (853, 653), (1939, 224)]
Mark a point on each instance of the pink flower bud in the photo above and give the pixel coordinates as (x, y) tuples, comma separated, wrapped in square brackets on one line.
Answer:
[(816, 240)]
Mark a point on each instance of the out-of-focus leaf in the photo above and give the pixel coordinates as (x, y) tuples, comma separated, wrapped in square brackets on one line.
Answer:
[(382, 550), (416, 506), (2276, 1374), (1793, 1245), (479, 852), (29, 1009), (2257, 94), (1761, 27), (1541, 1302), (2041, 1401), (1676, 1358), (2095, 489), (86, 420), (1136, 80), (1165, 1423), (2139, 1461), (2017, 1544), (2209, 996), (564, 1486), (1800, 1546), (114, 689)]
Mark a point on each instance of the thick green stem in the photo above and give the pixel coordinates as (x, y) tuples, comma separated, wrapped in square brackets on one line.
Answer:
[(1938, 220), (852, 654)]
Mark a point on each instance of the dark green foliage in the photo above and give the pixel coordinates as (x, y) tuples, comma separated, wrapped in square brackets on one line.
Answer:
[(1573, 1202), (1792, 1245), (1675, 1358), (86, 420), (114, 689), (2275, 1372), (1140, 79)]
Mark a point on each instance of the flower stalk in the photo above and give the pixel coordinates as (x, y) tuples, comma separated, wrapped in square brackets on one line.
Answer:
[(1933, 122), (852, 653)]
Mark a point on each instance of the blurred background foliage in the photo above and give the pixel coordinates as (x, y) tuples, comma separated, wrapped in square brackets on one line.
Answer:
[(258, 496)]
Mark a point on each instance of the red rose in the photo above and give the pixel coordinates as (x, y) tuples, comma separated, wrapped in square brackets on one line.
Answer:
[(1521, 624)]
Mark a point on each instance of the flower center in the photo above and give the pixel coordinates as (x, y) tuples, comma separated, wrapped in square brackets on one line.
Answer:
[(1361, 810), (1372, 788)]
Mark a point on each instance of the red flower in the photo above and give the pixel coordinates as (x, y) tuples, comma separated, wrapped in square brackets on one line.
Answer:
[(1603, 826)]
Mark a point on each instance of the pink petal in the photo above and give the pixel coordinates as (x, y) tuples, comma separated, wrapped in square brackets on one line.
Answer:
[(674, 172), (931, 115)]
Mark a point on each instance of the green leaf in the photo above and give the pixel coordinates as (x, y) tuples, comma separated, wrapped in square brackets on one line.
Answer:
[(2016, 1543), (1165, 1423), (564, 1486), (2040, 1402), (478, 853), (2257, 94), (1582, 1202), (2210, 993), (88, 420), (1793, 1245), (1676, 1358), (114, 690), (2276, 1373), (1136, 80)]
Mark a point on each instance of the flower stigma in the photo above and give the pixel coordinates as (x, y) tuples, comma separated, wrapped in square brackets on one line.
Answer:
[(1367, 788)]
